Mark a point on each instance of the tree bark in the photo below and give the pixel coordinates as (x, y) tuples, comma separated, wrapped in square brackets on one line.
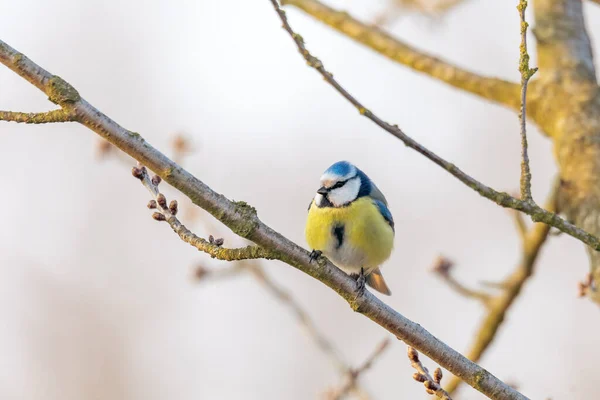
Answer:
[(567, 108)]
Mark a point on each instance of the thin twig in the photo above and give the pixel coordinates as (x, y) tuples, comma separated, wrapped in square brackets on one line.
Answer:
[(243, 220), (432, 384), (258, 272), (309, 326), (587, 285), (320, 340), (526, 74), (429, 8), (465, 291), (220, 273), (443, 267), (211, 247), (353, 374), (37, 118), (494, 89), (498, 306), (426, 7), (520, 224)]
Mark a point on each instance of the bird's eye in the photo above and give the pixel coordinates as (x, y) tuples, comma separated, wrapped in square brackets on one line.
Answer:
[(338, 184)]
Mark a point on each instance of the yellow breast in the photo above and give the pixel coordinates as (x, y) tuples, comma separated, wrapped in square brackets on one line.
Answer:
[(367, 238)]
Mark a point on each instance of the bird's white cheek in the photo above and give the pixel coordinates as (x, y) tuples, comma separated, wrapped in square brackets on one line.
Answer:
[(346, 194), (318, 199)]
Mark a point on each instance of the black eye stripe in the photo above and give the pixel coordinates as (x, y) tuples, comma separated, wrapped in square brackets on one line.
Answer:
[(339, 184)]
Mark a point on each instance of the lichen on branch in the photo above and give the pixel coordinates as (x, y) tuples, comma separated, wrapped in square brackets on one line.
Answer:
[(526, 74), (37, 118), (168, 213)]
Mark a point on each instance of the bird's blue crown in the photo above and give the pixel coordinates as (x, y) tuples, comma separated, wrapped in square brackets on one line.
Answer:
[(341, 169)]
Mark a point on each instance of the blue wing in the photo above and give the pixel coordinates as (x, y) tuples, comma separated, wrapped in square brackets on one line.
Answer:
[(385, 212)]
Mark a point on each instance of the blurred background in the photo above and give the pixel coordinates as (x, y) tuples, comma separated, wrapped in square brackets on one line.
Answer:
[(98, 301)]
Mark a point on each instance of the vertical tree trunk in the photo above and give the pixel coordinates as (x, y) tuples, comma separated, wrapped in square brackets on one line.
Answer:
[(565, 103)]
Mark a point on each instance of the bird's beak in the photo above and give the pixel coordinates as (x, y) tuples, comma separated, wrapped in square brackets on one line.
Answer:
[(323, 191)]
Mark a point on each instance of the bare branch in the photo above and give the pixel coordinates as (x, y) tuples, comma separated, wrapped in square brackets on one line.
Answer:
[(242, 220), (526, 74), (432, 384), (497, 90), (520, 223), (443, 267), (427, 7), (234, 270), (322, 343), (569, 111), (586, 286), (212, 246), (498, 306), (368, 363), (37, 118), (564, 50), (464, 291), (303, 318), (354, 374)]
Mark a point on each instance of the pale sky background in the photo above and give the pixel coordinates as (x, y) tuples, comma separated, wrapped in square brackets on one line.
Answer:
[(96, 298)]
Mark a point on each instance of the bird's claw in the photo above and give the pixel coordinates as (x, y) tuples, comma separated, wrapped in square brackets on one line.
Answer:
[(314, 255), (361, 281)]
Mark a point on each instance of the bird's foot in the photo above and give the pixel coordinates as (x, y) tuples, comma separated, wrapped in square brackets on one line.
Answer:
[(315, 254), (361, 281)]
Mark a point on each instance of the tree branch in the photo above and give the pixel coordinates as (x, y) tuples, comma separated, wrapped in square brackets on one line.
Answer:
[(564, 51), (498, 306), (242, 220), (568, 109), (521, 225), (211, 247), (443, 268), (323, 344), (428, 8), (497, 90), (303, 318), (37, 118), (353, 374), (526, 74), (464, 291), (231, 271)]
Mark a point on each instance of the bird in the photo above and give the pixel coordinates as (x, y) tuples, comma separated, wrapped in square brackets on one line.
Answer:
[(350, 223)]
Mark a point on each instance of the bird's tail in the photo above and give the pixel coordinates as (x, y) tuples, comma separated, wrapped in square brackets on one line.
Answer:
[(376, 281)]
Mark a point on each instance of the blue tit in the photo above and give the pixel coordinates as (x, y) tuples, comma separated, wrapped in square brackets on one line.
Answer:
[(349, 222)]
